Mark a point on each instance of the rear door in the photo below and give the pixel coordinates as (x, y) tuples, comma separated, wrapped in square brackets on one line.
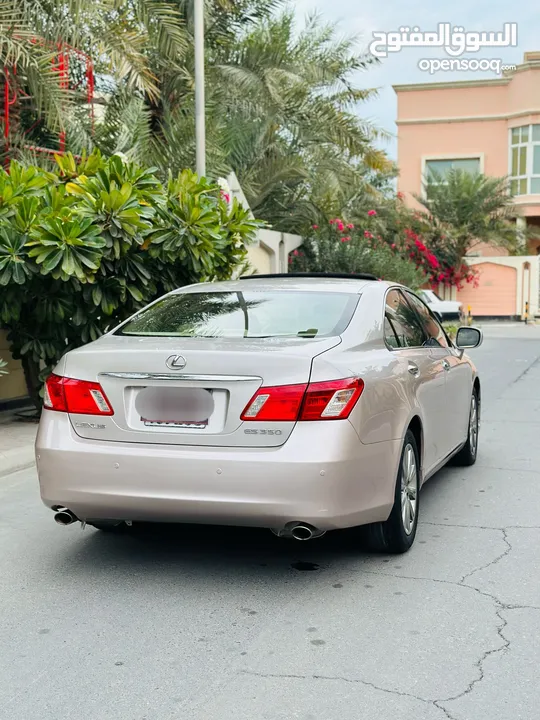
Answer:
[(458, 377), (405, 335)]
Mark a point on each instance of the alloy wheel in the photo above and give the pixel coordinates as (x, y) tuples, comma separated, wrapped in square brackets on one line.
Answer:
[(473, 426), (409, 489)]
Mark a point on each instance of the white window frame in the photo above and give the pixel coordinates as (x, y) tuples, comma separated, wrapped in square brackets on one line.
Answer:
[(449, 156), (530, 145)]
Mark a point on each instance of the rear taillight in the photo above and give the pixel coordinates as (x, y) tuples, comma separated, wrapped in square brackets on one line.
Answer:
[(332, 400), (79, 397), (275, 404)]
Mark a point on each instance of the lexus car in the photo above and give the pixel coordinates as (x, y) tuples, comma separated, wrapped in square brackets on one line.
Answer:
[(298, 403)]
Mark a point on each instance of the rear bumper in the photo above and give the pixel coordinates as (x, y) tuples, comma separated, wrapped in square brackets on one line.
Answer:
[(455, 315), (323, 475)]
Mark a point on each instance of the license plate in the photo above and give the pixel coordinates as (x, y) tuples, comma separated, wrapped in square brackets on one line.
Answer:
[(188, 408)]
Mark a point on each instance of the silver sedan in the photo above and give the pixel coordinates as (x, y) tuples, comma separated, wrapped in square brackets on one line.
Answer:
[(302, 404)]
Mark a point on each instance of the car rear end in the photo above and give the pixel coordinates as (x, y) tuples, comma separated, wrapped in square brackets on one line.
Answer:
[(202, 409)]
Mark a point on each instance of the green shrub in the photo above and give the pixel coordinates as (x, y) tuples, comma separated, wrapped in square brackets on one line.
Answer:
[(85, 247)]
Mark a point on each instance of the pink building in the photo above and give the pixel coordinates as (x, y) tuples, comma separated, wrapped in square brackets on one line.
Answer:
[(490, 126)]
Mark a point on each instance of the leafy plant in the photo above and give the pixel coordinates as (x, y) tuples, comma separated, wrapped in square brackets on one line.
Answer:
[(88, 250)]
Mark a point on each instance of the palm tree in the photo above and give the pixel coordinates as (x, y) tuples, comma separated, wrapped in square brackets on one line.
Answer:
[(475, 208), (290, 128), (120, 38), (281, 113)]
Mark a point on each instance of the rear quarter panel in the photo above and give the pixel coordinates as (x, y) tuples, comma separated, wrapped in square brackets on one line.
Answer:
[(387, 404)]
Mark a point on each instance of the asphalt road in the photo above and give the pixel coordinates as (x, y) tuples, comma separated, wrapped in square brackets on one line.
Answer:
[(238, 625)]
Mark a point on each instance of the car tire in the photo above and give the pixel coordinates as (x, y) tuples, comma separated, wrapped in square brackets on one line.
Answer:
[(469, 452), (396, 535)]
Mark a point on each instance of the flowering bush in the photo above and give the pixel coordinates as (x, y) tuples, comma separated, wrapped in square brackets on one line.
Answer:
[(428, 244), (350, 248), (394, 243)]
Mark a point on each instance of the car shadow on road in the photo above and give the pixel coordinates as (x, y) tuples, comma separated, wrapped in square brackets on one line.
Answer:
[(198, 549)]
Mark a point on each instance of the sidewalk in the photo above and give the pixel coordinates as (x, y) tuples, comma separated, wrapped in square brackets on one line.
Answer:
[(16, 445)]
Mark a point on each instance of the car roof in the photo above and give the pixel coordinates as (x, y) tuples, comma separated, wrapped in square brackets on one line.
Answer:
[(319, 283)]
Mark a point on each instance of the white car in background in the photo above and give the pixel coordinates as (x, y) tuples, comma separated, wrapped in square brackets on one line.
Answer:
[(442, 309)]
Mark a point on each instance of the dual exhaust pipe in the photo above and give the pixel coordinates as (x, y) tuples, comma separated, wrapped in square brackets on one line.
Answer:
[(296, 530)]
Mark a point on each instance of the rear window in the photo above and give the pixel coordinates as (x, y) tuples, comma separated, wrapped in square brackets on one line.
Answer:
[(245, 315)]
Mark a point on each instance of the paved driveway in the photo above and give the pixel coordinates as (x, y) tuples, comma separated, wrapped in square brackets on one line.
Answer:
[(238, 625)]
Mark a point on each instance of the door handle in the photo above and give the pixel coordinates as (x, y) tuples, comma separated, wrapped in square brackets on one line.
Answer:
[(414, 369), (446, 365)]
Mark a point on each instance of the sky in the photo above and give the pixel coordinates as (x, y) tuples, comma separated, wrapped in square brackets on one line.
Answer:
[(363, 17)]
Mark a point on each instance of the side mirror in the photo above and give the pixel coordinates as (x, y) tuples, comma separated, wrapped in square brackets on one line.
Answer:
[(469, 337)]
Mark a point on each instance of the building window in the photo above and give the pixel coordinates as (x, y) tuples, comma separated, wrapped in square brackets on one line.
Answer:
[(437, 170), (524, 168)]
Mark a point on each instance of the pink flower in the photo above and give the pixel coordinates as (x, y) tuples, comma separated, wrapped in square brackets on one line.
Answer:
[(372, 213), (350, 226), (400, 195), (295, 252), (340, 226), (315, 227), (367, 234), (332, 222), (345, 239), (225, 196), (432, 260), (393, 246), (420, 246)]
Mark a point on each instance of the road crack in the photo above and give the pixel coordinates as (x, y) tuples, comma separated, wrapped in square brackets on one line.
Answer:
[(479, 664), (507, 550), (500, 606), (342, 678)]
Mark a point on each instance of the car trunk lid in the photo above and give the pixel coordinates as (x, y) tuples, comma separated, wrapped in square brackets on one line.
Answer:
[(189, 391)]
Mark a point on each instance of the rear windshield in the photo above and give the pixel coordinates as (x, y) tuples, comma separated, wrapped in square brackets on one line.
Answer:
[(245, 315)]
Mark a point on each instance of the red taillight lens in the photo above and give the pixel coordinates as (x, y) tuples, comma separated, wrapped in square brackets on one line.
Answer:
[(275, 404), (79, 397), (54, 397), (332, 400)]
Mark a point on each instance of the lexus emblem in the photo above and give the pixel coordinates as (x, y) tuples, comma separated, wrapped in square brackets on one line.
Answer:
[(176, 362)]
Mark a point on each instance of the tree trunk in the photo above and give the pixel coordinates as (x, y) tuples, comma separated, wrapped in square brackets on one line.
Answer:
[(33, 383)]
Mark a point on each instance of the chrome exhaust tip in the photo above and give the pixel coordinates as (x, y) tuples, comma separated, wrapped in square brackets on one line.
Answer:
[(299, 531), (63, 516), (302, 532)]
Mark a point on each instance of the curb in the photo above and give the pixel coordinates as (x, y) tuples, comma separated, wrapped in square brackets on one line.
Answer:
[(14, 460)]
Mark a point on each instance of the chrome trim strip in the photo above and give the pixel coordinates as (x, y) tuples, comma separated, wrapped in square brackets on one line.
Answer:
[(181, 376)]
